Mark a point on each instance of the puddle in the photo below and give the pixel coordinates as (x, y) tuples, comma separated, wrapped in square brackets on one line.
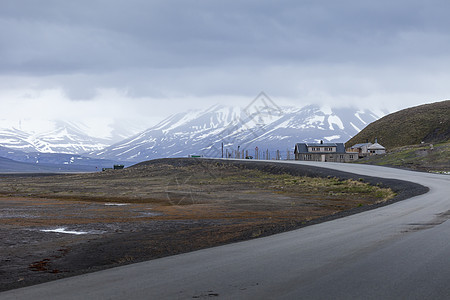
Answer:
[(64, 230), (116, 204)]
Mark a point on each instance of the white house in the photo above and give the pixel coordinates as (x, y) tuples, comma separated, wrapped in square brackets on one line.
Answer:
[(368, 149)]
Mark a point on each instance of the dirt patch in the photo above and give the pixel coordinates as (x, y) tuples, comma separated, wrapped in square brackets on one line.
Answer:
[(59, 226)]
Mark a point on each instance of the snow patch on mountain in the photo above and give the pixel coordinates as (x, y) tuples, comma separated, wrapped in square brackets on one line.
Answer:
[(354, 127), (314, 121), (357, 114), (331, 138), (333, 119)]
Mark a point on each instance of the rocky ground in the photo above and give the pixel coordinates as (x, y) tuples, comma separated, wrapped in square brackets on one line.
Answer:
[(58, 226)]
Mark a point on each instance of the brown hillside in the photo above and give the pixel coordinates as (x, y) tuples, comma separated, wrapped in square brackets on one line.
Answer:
[(428, 123)]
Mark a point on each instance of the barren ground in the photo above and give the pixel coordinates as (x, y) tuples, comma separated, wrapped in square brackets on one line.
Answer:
[(165, 207)]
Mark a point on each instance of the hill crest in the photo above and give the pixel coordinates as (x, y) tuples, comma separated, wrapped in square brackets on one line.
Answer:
[(429, 123)]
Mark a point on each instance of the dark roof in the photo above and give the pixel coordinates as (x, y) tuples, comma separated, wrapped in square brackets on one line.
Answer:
[(322, 145), (303, 147), (340, 148), (360, 145)]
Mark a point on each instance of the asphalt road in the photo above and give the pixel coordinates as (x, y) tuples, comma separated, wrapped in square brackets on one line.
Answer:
[(399, 251)]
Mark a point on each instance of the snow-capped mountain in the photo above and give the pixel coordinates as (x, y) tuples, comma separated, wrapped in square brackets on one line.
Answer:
[(56, 136), (262, 124), (64, 138)]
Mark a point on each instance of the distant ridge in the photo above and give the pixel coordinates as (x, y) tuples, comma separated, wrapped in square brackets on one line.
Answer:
[(11, 166), (262, 125), (18, 161), (429, 123), (64, 138)]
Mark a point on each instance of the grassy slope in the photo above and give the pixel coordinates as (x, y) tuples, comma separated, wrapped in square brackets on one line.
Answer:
[(403, 132), (421, 157), (429, 123)]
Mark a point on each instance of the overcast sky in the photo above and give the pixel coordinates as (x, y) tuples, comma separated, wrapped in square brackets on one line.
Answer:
[(147, 59)]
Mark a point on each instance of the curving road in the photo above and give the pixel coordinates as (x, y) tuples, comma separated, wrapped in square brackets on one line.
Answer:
[(400, 251)]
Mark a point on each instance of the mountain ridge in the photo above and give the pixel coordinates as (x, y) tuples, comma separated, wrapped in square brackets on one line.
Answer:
[(261, 124), (63, 138), (58, 136)]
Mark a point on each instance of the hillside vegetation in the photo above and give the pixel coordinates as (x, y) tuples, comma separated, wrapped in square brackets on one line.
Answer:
[(423, 157), (429, 123)]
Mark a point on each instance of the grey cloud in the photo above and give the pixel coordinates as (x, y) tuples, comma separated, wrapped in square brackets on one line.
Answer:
[(184, 33), (202, 47)]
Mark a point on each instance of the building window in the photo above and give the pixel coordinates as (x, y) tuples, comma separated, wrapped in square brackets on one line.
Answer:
[(351, 156), (329, 149), (341, 156)]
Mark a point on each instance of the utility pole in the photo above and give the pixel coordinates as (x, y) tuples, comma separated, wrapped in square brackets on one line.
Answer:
[(222, 149)]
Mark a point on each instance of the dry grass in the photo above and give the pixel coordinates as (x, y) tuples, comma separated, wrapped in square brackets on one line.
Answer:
[(206, 191)]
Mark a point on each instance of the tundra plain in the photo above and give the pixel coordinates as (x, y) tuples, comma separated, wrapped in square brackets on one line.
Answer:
[(56, 226)]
